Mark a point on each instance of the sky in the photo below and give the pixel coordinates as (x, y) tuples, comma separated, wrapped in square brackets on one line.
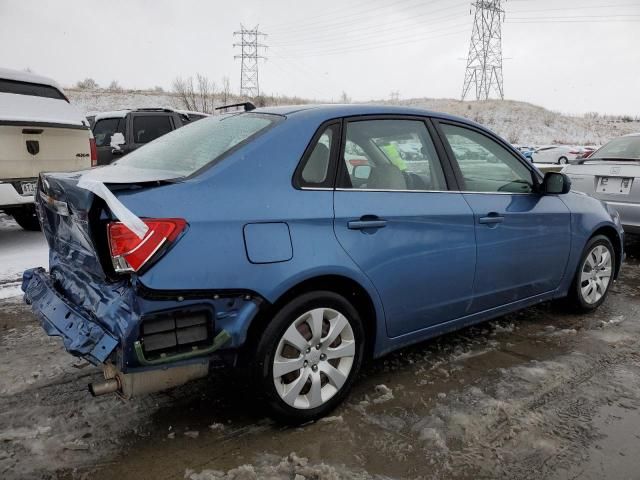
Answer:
[(571, 56)]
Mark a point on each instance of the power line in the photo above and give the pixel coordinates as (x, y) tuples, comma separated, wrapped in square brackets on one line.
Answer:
[(249, 57), (388, 43), (484, 62), (375, 30)]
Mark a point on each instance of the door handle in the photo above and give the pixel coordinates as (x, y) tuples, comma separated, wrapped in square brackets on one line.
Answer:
[(491, 218), (368, 221)]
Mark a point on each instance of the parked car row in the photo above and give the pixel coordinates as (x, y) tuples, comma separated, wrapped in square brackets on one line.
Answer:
[(555, 154)]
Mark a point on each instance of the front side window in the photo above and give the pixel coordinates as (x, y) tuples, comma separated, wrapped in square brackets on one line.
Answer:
[(150, 127), (391, 155), (186, 150), (486, 166)]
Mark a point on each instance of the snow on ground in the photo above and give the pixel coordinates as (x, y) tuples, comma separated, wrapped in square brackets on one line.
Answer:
[(518, 122), (19, 250)]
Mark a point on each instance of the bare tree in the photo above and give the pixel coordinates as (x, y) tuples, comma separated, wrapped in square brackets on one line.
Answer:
[(114, 86), (87, 84), (197, 98), (226, 90)]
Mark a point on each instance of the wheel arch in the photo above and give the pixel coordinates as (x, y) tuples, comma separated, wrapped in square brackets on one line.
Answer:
[(350, 289)]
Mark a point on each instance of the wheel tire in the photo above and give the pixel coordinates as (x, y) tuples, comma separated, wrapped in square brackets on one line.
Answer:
[(576, 300), (26, 217), (562, 161), (271, 346)]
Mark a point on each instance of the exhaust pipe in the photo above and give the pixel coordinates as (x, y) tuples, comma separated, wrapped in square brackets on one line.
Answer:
[(128, 385), (111, 385)]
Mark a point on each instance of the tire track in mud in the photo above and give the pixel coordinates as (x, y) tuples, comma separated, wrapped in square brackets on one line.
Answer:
[(555, 425)]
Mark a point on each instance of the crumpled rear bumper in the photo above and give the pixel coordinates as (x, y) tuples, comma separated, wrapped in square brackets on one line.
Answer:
[(82, 336)]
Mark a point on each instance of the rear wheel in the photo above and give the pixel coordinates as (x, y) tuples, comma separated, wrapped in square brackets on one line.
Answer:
[(309, 356), (26, 217), (594, 275)]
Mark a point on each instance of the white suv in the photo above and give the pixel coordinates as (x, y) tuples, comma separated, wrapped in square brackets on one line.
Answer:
[(39, 131)]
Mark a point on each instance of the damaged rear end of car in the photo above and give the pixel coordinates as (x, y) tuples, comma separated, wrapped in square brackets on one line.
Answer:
[(94, 296)]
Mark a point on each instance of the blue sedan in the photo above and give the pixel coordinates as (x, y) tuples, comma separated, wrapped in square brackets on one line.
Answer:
[(300, 241)]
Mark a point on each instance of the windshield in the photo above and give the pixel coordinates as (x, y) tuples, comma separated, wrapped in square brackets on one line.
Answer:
[(620, 148), (188, 149)]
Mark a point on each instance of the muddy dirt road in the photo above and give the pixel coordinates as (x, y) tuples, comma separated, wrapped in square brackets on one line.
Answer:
[(539, 394)]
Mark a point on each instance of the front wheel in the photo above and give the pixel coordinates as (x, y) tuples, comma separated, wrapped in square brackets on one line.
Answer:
[(309, 356), (562, 161), (594, 275)]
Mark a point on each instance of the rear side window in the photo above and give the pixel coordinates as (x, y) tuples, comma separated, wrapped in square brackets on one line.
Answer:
[(391, 155), (316, 166), (150, 127), (33, 89), (104, 129), (186, 150)]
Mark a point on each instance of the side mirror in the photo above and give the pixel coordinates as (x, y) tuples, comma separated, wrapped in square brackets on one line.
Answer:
[(362, 172), (117, 140), (556, 183)]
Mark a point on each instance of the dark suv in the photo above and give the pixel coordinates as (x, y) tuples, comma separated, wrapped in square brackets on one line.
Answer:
[(137, 127)]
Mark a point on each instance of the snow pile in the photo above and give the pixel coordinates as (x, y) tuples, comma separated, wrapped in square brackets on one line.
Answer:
[(19, 250)]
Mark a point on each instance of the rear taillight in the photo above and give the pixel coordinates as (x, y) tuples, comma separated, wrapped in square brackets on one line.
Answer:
[(94, 152), (129, 253)]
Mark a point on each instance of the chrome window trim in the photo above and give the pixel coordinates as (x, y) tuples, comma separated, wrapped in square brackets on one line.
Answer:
[(431, 191)]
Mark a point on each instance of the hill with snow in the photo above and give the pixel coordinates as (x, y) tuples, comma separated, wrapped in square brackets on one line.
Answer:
[(518, 122)]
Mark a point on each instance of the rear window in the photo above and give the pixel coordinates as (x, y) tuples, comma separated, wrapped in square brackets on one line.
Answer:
[(186, 150), (33, 89), (620, 148)]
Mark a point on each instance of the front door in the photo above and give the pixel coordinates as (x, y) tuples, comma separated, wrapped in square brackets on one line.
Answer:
[(523, 237), (397, 220)]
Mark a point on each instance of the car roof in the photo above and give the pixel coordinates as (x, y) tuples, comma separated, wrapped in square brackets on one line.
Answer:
[(346, 110), (29, 77), (123, 113)]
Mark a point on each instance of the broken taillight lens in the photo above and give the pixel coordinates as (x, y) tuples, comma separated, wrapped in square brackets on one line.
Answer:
[(129, 253)]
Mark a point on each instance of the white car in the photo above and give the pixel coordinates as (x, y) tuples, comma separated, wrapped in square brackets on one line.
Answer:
[(558, 154), (39, 131)]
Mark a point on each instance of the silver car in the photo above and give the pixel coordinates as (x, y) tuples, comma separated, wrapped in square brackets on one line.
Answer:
[(612, 174)]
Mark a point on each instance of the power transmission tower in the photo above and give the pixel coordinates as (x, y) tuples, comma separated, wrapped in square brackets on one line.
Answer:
[(484, 63), (249, 56)]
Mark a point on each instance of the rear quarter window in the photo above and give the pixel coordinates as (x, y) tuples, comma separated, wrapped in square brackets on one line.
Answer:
[(192, 147), (33, 89)]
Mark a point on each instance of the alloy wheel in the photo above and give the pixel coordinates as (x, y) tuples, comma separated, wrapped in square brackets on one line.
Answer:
[(596, 274), (313, 358)]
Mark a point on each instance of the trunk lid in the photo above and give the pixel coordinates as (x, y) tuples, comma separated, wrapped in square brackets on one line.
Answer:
[(586, 178), (70, 223)]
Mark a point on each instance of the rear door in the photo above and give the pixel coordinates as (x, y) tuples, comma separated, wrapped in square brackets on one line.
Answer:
[(523, 237), (397, 219)]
